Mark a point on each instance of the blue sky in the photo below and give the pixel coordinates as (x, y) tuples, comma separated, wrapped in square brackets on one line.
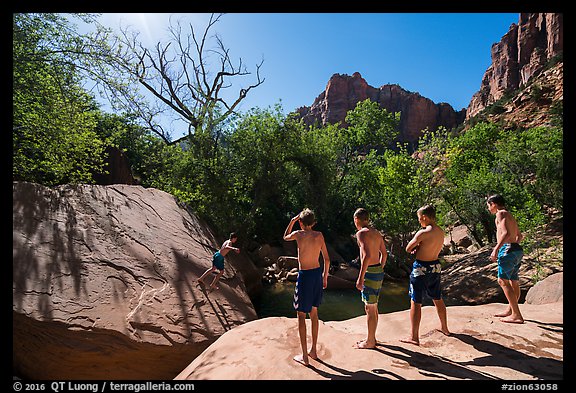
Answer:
[(442, 56)]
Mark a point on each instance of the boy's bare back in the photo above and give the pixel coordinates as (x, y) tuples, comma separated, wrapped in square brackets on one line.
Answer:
[(507, 230), (310, 243), (429, 241), (372, 244)]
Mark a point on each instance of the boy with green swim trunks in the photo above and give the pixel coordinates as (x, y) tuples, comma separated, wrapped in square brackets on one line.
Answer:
[(425, 277), (508, 253), (373, 257), (218, 260)]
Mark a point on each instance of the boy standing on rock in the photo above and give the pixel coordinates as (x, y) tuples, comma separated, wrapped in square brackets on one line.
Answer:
[(373, 256), (508, 253), (311, 278), (425, 276)]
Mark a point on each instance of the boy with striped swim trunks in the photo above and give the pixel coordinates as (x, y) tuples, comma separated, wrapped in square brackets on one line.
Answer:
[(508, 253), (373, 257), (425, 276)]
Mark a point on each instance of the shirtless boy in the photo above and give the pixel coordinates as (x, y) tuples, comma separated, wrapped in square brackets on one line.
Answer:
[(311, 278), (425, 276), (218, 260), (373, 257), (508, 253)]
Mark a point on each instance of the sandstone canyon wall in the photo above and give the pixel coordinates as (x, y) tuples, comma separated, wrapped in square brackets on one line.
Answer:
[(343, 92), (522, 53)]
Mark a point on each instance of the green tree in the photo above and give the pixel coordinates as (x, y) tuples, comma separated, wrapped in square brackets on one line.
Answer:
[(533, 159), (54, 119)]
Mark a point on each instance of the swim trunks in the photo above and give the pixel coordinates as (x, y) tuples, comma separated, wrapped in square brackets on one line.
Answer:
[(372, 284), (218, 260), (308, 291), (425, 278), (509, 258)]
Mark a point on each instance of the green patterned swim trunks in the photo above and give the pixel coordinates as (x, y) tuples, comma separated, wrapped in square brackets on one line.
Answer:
[(372, 284)]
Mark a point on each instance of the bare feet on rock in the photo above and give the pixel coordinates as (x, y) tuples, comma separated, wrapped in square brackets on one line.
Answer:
[(300, 359), (445, 332), (504, 313), (410, 341), (364, 344), (512, 319)]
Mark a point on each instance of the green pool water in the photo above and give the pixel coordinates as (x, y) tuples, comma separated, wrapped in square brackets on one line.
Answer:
[(337, 305)]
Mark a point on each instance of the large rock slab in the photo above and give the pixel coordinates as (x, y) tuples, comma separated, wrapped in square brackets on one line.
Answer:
[(104, 284), (481, 347)]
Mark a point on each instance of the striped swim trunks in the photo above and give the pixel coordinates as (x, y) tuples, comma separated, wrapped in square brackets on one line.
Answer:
[(372, 284)]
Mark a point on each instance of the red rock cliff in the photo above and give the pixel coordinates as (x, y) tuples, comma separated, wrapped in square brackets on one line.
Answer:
[(523, 52), (343, 92)]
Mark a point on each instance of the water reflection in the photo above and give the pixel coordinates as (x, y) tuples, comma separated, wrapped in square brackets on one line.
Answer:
[(337, 304)]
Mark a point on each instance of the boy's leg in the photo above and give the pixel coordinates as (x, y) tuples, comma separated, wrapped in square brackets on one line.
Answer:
[(516, 288), (512, 297), (441, 310), (303, 358), (415, 317), (372, 322), (315, 325), (215, 281), (207, 272)]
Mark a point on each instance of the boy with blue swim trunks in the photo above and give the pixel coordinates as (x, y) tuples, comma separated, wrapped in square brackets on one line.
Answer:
[(508, 253), (218, 260), (312, 279), (426, 270)]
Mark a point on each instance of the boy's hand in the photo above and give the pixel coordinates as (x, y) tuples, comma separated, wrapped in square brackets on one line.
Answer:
[(494, 256)]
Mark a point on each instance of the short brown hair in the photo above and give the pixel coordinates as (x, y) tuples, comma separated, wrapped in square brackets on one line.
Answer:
[(307, 217), (496, 199), (362, 214), (428, 211)]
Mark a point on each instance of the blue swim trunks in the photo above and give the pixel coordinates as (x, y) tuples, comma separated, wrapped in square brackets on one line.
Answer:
[(308, 291), (425, 278), (372, 284), (509, 258), (218, 260)]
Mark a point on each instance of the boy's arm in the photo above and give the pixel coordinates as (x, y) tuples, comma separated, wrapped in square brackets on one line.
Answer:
[(383, 253), (413, 244), (363, 265), (229, 246), (324, 251), (501, 234), (288, 234)]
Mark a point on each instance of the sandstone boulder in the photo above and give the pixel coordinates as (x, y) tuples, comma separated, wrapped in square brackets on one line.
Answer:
[(549, 290), (105, 286)]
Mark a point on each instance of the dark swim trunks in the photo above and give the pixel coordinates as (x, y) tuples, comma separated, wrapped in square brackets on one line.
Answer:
[(218, 260), (509, 258), (425, 277), (308, 291), (372, 284)]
